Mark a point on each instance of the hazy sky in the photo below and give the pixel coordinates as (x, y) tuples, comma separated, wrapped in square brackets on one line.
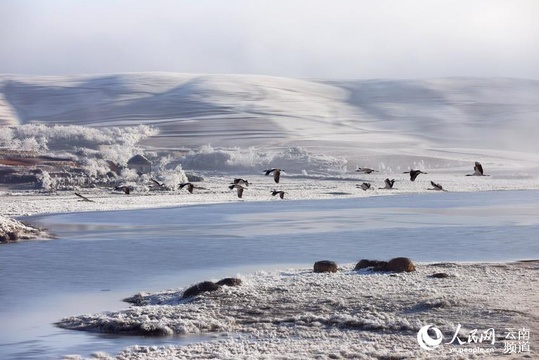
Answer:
[(295, 38)]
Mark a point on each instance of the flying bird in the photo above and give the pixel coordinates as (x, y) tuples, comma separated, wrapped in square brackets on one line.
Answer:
[(436, 186), (239, 189), (276, 173), (365, 170), (190, 187), (389, 184), (414, 173), (157, 182), (241, 182), (478, 170), (280, 193), (84, 198), (365, 186)]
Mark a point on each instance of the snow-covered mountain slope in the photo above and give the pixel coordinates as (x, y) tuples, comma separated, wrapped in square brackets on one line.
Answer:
[(371, 121)]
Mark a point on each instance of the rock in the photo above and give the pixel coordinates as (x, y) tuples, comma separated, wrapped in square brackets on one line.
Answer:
[(375, 264), (199, 288), (229, 282), (325, 266), (439, 275), (381, 266), (400, 264), (137, 300)]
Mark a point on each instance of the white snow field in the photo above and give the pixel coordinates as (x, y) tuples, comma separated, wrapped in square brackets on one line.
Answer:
[(298, 314), (318, 132)]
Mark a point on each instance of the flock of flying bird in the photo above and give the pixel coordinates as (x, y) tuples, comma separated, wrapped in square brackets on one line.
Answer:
[(478, 171), (241, 184), (238, 184)]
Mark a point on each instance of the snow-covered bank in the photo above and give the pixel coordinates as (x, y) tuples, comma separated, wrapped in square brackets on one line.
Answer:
[(297, 186), (302, 186), (349, 314), (12, 230)]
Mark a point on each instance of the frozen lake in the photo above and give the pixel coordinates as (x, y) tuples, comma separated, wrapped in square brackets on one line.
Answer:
[(101, 257)]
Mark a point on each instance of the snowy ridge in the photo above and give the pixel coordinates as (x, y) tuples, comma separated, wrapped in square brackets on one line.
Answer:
[(223, 110), (302, 313)]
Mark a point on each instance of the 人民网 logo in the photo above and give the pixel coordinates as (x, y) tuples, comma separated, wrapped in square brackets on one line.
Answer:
[(426, 341)]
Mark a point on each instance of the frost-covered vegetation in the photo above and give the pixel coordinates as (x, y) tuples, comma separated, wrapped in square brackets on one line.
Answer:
[(89, 157), (42, 138), (101, 157)]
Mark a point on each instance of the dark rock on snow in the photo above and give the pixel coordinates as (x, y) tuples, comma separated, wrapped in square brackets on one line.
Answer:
[(399, 264), (325, 266), (199, 288), (229, 282)]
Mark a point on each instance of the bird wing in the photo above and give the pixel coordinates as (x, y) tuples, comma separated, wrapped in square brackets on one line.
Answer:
[(413, 175), (240, 192), (276, 176), (189, 186), (478, 168), (281, 194), (436, 186), (83, 197)]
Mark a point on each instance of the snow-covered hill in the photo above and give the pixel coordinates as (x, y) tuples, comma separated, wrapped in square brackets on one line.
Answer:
[(373, 122)]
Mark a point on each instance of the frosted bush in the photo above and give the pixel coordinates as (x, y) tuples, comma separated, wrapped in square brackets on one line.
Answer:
[(162, 162), (95, 167), (172, 178), (134, 135), (129, 174), (32, 144), (249, 158), (119, 154), (293, 159), (206, 158), (46, 182), (72, 136), (169, 172), (6, 137)]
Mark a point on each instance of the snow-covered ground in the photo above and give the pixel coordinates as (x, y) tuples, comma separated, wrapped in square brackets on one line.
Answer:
[(318, 132), (345, 315)]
